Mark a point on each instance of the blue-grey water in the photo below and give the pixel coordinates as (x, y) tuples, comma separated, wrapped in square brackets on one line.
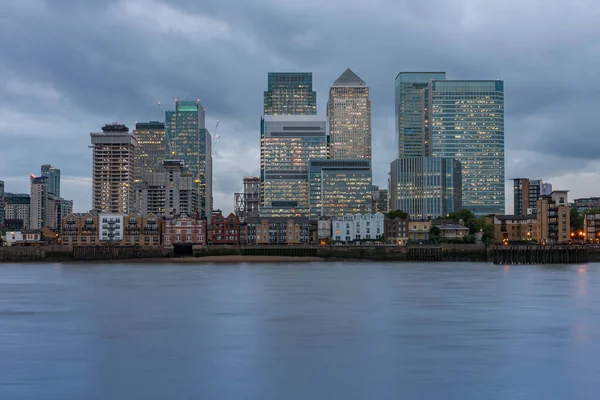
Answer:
[(299, 331)]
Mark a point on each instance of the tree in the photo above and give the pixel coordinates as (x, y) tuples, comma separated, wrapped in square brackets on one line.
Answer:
[(435, 234), (576, 220), (397, 214)]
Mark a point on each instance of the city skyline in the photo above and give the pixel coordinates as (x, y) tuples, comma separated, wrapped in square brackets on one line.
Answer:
[(62, 107)]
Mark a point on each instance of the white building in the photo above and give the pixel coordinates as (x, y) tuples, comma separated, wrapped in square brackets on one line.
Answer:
[(324, 228), (350, 228), (111, 227)]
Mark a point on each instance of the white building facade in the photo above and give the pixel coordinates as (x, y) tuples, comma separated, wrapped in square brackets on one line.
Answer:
[(357, 227), (110, 227)]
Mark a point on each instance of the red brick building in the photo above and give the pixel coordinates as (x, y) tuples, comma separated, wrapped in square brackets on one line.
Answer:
[(184, 229), (225, 230)]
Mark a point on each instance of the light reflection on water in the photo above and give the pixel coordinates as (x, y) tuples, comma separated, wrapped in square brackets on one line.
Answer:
[(318, 331)]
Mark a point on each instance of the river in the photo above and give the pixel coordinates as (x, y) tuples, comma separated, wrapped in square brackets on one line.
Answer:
[(299, 331)]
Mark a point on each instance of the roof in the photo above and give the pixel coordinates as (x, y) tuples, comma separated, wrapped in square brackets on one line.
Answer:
[(514, 217), (277, 220), (349, 78), (452, 226)]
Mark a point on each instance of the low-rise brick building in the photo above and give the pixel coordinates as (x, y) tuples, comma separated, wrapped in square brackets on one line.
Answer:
[(184, 230), (224, 230), (278, 230)]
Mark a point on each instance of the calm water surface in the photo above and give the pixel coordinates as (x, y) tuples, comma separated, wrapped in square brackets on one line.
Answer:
[(299, 331)]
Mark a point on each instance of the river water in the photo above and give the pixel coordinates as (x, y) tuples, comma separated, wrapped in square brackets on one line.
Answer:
[(299, 331)]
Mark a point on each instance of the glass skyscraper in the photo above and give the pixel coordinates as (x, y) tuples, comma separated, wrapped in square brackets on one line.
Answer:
[(412, 134), (466, 119), (190, 141), (339, 187), (425, 187), (53, 175), (349, 113), (152, 147), (290, 93), (287, 145)]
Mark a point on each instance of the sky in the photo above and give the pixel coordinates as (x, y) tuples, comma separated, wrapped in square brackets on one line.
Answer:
[(68, 67)]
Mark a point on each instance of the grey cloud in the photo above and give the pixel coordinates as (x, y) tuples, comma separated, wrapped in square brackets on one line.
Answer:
[(107, 65)]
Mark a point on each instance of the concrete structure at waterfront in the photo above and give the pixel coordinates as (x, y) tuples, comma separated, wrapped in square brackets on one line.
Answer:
[(85, 229), (151, 147), (290, 93), (287, 145), (39, 211), (426, 187), (553, 218), (277, 230), (412, 105), (224, 230), (184, 230), (247, 203), (396, 231), (349, 115), (466, 122), (526, 193), (338, 187), (358, 227), (190, 141), (515, 228), (53, 175), (113, 173), (169, 192)]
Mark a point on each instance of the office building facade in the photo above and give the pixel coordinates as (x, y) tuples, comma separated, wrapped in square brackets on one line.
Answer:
[(113, 169), (190, 141), (466, 122), (426, 187), (17, 209), (53, 175), (1, 205), (349, 114), (287, 145), (39, 202), (151, 147), (412, 104), (290, 93), (339, 186)]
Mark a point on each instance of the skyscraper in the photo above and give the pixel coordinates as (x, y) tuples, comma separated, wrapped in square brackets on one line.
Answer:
[(339, 187), (349, 113), (290, 93), (113, 170), (39, 202), (190, 141), (17, 209), (1, 205), (53, 175), (287, 145), (425, 187), (152, 147), (466, 121), (412, 104), (526, 194)]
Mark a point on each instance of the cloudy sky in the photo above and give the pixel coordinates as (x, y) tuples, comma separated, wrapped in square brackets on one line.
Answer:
[(67, 67)]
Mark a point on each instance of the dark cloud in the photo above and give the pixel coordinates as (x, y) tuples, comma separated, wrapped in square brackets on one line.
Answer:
[(70, 66)]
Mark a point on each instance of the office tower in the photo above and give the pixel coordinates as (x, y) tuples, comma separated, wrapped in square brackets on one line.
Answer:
[(466, 119), (247, 203), (412, 104), (190, 141), (339, 187), (168, 192), (39, 202), (53, 175), (380, 200), (290, 93), (546, 189), (526, 194), (17, 208), (349, 113), (1, 206), (425, 187), (287, 144), (151, 147), (113, 170)]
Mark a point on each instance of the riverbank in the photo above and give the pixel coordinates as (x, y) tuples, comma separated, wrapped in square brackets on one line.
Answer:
[(223, 260)]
